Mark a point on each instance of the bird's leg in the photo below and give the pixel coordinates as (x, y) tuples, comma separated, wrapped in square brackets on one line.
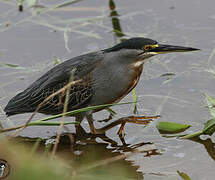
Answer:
[(136, 120), (90, 120), (78, 118), (111, 115), (131, 119)]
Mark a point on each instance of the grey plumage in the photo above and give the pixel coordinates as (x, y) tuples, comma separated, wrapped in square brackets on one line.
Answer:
[(103, 77)]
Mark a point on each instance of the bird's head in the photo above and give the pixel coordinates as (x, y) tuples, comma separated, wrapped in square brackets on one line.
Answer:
[(139, 49)]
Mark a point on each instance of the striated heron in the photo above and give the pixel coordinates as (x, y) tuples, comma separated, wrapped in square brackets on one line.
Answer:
[(103, 77)]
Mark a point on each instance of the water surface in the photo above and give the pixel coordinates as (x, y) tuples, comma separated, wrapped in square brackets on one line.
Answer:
[(33, 42)]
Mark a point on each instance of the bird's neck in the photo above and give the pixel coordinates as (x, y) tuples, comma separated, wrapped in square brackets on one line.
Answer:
[(138, 64)]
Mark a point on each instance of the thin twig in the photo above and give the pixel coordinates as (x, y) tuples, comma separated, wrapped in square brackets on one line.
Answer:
[(69, 113), (65, 108), (63, 89), (36, 123)]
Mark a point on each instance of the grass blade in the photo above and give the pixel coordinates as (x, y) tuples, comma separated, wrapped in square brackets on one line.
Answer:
[(70, 113), (135, 101), (66, 3), (36, 145)]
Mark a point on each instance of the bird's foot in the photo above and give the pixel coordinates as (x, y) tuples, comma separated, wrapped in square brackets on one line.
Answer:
[(122, 121), (136, 120)]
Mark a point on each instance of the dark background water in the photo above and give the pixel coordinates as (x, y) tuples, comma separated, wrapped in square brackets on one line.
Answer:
[(33, 42)]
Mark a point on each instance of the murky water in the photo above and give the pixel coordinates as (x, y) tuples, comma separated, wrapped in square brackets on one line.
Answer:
[(33, 42)]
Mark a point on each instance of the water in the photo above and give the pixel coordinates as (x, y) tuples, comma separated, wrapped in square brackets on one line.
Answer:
[(33, 43)]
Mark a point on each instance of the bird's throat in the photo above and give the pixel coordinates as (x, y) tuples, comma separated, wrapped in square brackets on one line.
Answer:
[(138, 63)]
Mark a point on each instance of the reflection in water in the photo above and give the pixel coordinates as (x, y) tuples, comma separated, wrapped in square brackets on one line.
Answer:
[(115, 20), (208, 144), (102, 154)]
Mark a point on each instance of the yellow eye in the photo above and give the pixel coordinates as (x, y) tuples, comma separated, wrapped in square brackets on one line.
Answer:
[(147, 47)]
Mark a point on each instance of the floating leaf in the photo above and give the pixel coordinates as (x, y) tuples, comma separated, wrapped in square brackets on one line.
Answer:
[(170, 127), (208, 129)]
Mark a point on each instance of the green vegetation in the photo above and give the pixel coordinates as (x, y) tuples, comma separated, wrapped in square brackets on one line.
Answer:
[(170, 127), (209, 127), (32, 158)]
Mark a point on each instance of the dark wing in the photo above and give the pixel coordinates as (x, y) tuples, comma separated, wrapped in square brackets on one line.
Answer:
[(52, 81), (79, 95)]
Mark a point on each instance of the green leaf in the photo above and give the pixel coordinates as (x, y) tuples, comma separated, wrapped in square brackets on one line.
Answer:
[(184, 176), (170, 127), (209, 128), (211, 104), (192, 135), (42, 123), (69, 113), (36, 145)]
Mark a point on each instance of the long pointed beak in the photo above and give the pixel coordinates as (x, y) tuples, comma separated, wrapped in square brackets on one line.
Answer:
[(164, 48)]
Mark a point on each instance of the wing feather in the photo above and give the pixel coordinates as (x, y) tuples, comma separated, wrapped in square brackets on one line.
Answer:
[(52, 81)]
